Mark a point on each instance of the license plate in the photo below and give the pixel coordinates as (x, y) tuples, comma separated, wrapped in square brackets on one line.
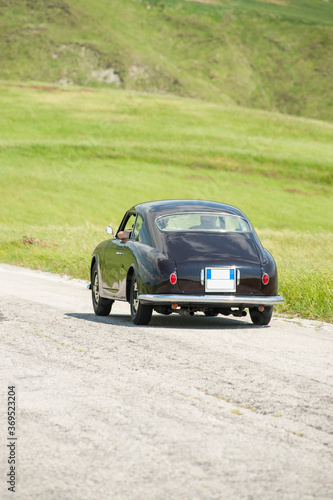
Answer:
[(220, 279)]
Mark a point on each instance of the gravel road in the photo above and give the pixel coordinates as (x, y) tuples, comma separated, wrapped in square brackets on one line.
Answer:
[(185, 408)]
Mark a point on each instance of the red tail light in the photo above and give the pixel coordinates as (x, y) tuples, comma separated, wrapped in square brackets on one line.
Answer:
[(265, 278), (173, 278)]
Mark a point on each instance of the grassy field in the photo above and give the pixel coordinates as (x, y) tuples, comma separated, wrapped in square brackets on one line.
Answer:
[(270, 54), (73, 160)]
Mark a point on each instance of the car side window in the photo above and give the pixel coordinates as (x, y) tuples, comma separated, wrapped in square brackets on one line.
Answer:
[(137, 228), (130, 228), (126, 227), (130, 223)]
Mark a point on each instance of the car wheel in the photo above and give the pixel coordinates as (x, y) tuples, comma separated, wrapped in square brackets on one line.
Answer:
[(102, 307), (261, 318), (140, 314)]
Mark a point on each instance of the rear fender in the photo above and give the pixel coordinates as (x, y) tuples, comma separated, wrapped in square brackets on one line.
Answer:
[(269, 267), (153, 270)]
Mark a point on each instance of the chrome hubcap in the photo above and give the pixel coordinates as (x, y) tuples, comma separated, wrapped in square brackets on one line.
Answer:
[(135, 296), (95, 288)]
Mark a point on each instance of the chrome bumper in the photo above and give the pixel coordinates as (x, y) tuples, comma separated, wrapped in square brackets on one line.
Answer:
[(219, 300)]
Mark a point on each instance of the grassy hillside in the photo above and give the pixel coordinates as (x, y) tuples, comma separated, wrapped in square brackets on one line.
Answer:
[(73, 160), (271, 54), (107, 104)]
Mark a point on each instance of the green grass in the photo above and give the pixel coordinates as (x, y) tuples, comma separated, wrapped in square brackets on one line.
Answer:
[(71, 162), (305, 262), (271, 54)]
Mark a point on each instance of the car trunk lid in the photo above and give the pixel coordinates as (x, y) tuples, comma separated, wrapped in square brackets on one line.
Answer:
[(194, 253)]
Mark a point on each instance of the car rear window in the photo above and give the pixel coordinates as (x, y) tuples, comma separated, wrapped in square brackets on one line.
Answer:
[(202, 221)]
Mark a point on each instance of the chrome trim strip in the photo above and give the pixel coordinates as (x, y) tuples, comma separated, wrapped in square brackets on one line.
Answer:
[(230, 300)]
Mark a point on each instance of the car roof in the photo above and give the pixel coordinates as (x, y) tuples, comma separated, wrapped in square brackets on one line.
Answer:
[(160, 207)]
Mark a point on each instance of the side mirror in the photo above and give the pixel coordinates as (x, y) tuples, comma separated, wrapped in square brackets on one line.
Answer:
[(109, 230)]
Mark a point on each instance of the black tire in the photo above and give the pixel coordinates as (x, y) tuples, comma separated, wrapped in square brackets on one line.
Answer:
[(261, 318), (140, 314), (102, 307)]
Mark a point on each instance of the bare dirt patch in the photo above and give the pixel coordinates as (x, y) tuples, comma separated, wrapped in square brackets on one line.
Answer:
[(296, 191), (275, 2), (212, 2)]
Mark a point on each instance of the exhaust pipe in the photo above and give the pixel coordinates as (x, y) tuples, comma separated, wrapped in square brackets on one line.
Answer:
[(186, 312), (238, 313)]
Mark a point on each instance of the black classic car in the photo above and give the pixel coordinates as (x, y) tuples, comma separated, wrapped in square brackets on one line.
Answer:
[(184, 256)]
